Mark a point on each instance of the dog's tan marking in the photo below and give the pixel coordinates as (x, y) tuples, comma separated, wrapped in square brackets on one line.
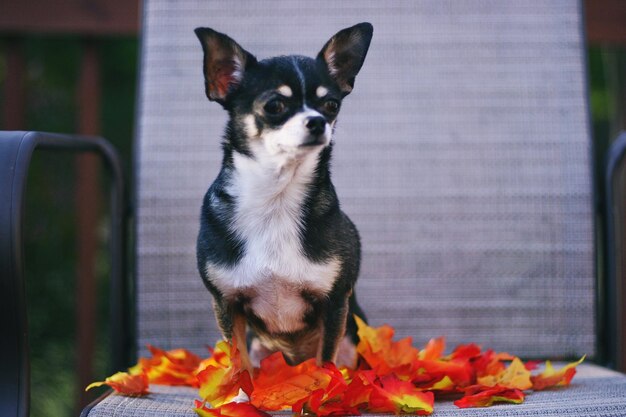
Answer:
[(285, 90), (239, 338), (250, 126), (321, 91), (280, 305)]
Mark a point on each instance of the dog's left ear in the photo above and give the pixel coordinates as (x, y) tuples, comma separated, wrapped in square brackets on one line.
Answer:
[(345, 52), (224, 63)]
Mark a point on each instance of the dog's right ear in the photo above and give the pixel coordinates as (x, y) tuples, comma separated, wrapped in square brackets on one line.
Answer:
[(224, 63)]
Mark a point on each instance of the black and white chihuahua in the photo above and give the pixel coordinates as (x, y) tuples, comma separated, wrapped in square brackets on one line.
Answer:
[(274, 249)]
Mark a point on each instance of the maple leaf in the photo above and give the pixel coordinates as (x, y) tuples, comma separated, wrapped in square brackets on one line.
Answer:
[(359, 389), (459, 372), (173, 367), (478, 396), (125, 383), (278, 386), (488, 363), (514, 376), (390, 394), (465, 352), (233, 409), (221, 379), (433, 349), (384, 355), (550, 377), (330, 401)]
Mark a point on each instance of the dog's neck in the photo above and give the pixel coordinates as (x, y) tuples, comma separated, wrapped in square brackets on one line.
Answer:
[(267, 176)]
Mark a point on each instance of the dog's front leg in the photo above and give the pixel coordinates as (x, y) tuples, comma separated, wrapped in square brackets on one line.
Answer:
[(333, 328), (232, 323)]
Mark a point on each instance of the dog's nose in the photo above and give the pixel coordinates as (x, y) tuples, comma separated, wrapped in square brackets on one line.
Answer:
[(316, 125)]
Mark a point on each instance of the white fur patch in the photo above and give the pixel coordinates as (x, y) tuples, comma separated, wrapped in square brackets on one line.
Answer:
[(250, 126), (292, 134), (321, 91), (270, 190), (285, 90)]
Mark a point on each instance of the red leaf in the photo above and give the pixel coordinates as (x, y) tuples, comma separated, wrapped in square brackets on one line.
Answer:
[(229, 410), (390, 394), (465, 352), (480, 396), (278, 386), (126, 384), (221, 380), (550, 377), (384, 355)]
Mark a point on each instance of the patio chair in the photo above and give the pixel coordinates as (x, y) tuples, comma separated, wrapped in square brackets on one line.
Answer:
[(463, 156)]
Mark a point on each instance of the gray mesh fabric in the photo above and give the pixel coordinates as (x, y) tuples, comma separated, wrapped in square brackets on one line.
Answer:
[(595, 392), (462, 156)]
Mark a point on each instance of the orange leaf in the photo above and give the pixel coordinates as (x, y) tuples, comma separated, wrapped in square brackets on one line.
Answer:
[(465, 352), (459, 372), (515, 376), (330, 401), (359, 389), (434, 349), (229, 410), (124, 383), (390, 394), (478, 396), (221, 381), (278, 386), (555, 378), (384, 355), (173, 367)]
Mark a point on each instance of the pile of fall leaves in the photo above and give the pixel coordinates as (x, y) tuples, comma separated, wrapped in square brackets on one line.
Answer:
[(393, 377)]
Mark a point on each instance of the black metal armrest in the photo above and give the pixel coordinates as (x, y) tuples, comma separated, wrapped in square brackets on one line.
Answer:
[(615, 214), (16, 149)]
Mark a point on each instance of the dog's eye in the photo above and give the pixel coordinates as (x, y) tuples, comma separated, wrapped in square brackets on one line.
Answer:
[(274, 107), (331, 106)]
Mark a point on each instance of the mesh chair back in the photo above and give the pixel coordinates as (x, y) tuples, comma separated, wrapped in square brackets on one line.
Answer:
[(462, 155)]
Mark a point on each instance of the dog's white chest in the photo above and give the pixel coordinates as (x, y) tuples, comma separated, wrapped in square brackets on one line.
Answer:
[(273, 268)]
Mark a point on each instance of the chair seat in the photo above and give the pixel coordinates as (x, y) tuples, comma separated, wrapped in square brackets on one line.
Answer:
[(595, 391)]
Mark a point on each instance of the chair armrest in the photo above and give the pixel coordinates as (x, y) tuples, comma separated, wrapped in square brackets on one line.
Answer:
[(615, 216), (16, 149)]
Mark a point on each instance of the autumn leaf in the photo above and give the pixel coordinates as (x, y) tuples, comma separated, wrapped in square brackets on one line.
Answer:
[(459, 372), (221, 380), (488, 363), (514, 376), (465, 352), (233, 409), (390, 394), (173, 367), (478, 396), (279, 386), (433, 349), (384, 355), (125, 383), (550, 377), (330, 401)]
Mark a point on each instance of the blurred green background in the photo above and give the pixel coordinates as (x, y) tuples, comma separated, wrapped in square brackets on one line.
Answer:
[(50, 248)]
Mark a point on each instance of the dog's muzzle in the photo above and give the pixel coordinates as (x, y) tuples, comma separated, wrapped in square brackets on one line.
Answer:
[(316, 126)]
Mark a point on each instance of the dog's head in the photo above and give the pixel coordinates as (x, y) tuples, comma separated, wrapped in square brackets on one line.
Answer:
[(286, 105)]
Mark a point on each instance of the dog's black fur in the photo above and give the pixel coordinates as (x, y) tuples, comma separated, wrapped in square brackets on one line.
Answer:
[(249, 90)]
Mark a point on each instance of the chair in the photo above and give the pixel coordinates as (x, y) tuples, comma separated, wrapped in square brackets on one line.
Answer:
[(463, 157)]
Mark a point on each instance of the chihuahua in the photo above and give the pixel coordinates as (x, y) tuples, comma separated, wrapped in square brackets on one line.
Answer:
[(274, 249)]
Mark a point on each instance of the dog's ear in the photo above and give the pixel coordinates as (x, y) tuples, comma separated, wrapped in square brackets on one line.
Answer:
[(345, 52), (224, 63)]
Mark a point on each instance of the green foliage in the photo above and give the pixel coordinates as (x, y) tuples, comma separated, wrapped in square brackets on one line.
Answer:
[(50, 230)]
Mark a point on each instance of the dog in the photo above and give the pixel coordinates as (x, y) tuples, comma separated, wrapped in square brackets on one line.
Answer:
[(274, 248)]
